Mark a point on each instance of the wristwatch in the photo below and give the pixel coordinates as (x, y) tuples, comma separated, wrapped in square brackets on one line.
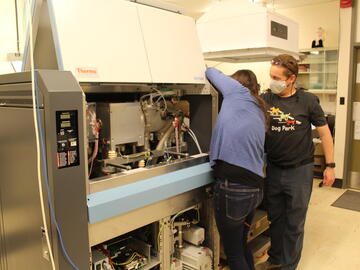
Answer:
[(330, 165)]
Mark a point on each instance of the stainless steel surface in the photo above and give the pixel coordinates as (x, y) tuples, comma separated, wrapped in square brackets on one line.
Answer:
[(113, 227), (15, 78), (100, 88), (166, 243), (132, 176), (17, 94), (68, 185), (354, 181), (121, 114), (3, 261), (154, 121), (20, 218), (21, 215)]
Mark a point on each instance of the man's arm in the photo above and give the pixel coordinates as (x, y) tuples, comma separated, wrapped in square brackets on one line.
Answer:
[(328, 147)]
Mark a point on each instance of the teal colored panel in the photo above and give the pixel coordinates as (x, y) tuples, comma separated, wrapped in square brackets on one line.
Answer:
[(116, 201)]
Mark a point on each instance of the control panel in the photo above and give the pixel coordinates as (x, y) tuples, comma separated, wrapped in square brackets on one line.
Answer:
[(67, 139), (279, 30)]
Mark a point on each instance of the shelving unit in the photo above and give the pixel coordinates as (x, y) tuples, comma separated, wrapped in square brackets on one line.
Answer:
[(323, 91), (318, 70)]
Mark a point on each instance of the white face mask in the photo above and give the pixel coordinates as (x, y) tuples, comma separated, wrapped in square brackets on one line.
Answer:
[(277, 87)]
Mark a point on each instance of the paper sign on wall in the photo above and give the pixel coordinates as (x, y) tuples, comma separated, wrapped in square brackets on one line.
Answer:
[(356, 111), (357, 130)]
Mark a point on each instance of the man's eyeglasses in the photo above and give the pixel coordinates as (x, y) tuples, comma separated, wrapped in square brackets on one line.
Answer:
[(282, 64)]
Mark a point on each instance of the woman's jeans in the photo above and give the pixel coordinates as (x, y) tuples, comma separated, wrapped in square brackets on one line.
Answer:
[(235, 206)]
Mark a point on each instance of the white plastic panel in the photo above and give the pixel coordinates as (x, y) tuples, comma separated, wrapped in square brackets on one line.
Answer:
[(292, 43), (100, 41), (230, 8), (233, 33), (173, 46), (237, 31)]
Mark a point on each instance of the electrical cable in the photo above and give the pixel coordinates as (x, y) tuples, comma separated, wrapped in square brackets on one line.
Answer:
[(193, 136), (91, 167), (193, 133), (40, 142), (106, 253), (158, 94), (163, 97), (129, 260), (147, 155), (17, 29), (196, 142), (182, 212), (52, 211), (36, 124)]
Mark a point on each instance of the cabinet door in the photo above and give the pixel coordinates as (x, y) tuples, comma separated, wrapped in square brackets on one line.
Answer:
[(172, 46), (99, 41)]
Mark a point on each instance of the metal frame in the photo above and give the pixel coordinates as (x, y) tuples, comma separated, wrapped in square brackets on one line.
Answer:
[(352, 87), (351, 84), (78, 234), (16, 87)]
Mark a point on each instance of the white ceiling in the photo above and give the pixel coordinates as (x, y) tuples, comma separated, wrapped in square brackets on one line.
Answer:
[(281, 4), (196, 8)]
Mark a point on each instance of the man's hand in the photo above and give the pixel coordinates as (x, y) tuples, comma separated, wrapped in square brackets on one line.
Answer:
[(329, 176)]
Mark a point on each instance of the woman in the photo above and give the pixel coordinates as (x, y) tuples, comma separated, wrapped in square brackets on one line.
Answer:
[(237, 157)]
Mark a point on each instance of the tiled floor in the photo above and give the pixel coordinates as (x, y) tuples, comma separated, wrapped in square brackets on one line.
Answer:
[(332, 235)]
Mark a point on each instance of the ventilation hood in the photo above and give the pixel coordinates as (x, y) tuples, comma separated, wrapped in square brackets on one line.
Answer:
[(240, 31)]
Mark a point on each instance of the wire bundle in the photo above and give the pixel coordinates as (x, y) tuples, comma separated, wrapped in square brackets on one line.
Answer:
[(193, 136)]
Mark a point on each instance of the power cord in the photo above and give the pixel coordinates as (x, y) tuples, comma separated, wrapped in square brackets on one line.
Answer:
[(36, 124), (53, 217), (40, 147)]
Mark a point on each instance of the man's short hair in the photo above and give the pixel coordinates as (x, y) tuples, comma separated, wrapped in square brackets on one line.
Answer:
[(288, 62)]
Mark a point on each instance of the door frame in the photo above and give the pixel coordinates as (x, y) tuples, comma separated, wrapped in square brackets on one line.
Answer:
[(355, 50)]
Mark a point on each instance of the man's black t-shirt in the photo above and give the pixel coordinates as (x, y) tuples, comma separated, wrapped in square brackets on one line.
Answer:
[(289, 139)]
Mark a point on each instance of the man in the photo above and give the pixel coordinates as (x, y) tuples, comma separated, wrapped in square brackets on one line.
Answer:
[(289, 173)]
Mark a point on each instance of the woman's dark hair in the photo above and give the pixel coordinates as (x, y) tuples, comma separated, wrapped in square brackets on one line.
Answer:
[(248, 79)]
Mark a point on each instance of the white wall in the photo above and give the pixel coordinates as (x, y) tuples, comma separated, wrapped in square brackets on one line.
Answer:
[(8, 27), (309, 18), (325, 15), (261, 70)]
